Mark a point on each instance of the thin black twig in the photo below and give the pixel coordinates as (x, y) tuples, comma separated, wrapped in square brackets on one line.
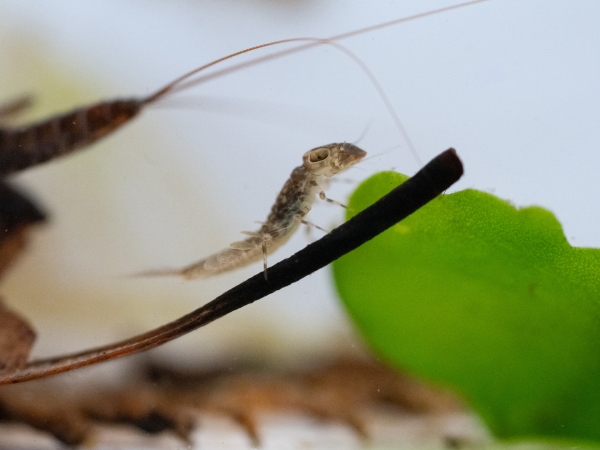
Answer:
[(437, 176)]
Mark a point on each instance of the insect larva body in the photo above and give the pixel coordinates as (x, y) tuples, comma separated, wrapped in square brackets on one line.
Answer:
[(293, 203)]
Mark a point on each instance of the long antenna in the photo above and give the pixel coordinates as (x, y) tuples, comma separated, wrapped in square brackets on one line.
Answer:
[(186, 81), (179, 84)]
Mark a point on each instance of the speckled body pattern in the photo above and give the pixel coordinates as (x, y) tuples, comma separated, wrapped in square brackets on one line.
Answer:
[(293, 203)]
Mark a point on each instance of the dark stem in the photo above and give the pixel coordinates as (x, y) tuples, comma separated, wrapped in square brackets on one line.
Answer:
[(437, 176)]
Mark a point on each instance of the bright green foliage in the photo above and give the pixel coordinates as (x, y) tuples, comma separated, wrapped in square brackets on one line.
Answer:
[(473, 293)]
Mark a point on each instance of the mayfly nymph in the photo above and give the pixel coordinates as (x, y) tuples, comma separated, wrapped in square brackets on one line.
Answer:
[(291, 206)]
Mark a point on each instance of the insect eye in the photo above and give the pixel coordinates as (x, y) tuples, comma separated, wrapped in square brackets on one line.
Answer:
[(318, 155)]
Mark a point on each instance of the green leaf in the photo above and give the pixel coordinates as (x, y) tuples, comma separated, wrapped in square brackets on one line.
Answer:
[(491, 300)]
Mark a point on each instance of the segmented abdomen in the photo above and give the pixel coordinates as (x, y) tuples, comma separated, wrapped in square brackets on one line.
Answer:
[(29, 145)]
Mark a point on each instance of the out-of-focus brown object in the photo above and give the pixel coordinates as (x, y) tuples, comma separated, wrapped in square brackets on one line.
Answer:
[(17, 214), (16, 339), (46, 409), (341, 391), (164, 399)]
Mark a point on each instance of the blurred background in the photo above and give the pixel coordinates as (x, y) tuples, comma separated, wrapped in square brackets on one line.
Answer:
[(511, 85)]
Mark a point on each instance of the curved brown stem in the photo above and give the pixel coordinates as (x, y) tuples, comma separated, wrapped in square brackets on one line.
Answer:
[(437, 176)]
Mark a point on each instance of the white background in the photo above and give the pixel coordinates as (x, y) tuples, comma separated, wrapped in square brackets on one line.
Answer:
[(512, 85)]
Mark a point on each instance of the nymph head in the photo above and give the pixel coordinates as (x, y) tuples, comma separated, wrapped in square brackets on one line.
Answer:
[(332, 159)]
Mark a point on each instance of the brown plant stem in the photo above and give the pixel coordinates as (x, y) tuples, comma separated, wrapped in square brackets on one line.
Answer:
[(437, 176)]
